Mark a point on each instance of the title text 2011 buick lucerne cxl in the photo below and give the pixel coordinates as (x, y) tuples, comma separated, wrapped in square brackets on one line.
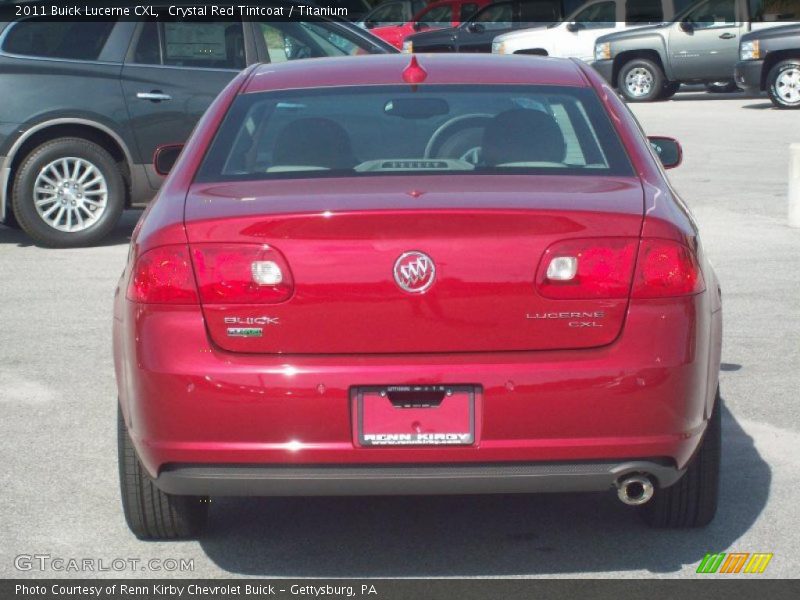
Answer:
[(417, 275)]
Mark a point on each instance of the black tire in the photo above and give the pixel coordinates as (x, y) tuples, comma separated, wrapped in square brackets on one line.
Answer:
[(692, 501), (722, 87), (652, 80), (150, 513), (23, 195), (669, 90), (775, 88)]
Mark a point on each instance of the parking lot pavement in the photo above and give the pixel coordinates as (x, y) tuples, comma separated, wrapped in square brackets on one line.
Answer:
[(57, 396)]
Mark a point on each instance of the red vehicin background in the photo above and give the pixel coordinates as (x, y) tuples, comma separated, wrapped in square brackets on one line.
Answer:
[(447, 13), (458, 274)]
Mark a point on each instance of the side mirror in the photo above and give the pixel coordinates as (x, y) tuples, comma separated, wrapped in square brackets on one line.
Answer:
[(369, 24), (165, 157), (418, 26), (574, 26), (476, 28), (668, 150), (686, 26)]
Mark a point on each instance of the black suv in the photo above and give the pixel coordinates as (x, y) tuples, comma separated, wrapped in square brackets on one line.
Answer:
[(86, 103)]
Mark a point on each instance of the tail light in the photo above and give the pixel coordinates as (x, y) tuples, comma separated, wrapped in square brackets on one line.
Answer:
[(587, 268), (241, 274), (666, 269), (163, 276), (603, 268)]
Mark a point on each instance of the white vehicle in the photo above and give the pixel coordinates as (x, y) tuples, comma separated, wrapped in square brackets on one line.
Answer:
[(575, 36)]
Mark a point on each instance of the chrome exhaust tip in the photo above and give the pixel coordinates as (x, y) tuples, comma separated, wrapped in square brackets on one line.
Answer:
[(635, 490)]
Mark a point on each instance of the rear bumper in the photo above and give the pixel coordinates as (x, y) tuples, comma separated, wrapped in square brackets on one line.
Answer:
[(226, 480), (189, 405), (606, 69), (747, 74)]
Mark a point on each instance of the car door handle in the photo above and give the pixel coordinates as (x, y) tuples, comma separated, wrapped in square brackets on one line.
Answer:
[(154, 96), (727, 36)]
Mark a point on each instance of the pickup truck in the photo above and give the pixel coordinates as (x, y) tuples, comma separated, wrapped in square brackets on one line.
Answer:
[(575, 36), (701, 45), (770, 60)]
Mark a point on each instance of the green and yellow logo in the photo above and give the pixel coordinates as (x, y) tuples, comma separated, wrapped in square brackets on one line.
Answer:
[(735, 562)]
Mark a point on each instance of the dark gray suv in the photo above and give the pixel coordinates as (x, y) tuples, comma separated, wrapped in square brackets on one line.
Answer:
[(86, 103)]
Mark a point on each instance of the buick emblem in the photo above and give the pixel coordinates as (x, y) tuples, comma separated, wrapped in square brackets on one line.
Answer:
[(414, 272)]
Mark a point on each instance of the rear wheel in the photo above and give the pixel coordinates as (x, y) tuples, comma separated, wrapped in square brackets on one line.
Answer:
[(68, 192), (692, 501), (640, 80), (783, 84), (150, 513)]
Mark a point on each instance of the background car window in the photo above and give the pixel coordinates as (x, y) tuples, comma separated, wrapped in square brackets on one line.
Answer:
[(467, 10), (774, 10), (393, 13), (77, 40), (597, 16), (540, 11), (496, 16), (210, 45), (440, 16), (644, 11), (712, 13), (343, 132), (294, 40)]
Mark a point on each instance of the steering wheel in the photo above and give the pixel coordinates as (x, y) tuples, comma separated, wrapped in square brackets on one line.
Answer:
[(460, 138)]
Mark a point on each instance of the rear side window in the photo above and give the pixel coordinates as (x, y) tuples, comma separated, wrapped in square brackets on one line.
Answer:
[(191, 44), (394, 130), (76, 40)]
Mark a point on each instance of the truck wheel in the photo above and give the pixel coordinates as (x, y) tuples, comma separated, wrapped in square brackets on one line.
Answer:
[(722, 87), (640, 80), (669, 90), (150, 513), (783, 83), (692, 501), (68, 192)]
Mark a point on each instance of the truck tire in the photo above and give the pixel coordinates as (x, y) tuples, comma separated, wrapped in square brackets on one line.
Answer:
[(783, 83), (150, 513), (640, 80), (68, 192), (692, 501)]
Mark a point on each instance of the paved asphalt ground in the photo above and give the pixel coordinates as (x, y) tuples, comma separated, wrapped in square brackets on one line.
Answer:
[(57, 429)]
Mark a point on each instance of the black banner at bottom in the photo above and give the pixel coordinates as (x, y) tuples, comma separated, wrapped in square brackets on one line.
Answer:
[(396, 589)]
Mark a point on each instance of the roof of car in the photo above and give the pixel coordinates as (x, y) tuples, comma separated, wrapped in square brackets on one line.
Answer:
[(387, 69)]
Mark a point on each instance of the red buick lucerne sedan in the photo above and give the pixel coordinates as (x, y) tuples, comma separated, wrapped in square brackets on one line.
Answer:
[(438, 275)]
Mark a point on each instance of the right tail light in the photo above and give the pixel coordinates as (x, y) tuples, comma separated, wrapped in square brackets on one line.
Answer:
[(603, 268), (666, 269)]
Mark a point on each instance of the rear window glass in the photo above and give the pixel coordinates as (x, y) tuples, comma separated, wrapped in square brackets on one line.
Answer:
[(382, 130), (76, 40)]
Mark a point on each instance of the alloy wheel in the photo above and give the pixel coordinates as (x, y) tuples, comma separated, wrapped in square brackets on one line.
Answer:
[(787, 86), (70, 194), (639, 82)]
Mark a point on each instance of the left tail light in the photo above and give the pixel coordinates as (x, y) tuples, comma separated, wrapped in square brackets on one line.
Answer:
[(241, 274), (163, 276)]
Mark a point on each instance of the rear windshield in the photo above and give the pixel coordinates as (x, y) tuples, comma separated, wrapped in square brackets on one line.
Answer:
[(400, 130)]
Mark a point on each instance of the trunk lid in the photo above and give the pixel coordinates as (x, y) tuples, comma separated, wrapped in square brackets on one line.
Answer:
[(342, 238)]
